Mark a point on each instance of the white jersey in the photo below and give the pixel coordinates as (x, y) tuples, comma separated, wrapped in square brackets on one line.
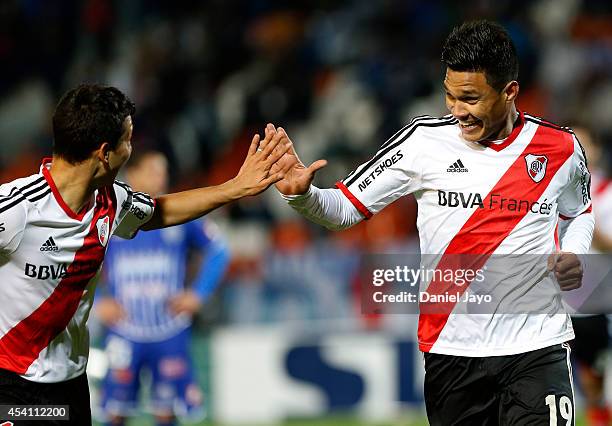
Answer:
[(501, 197), (50, 259)]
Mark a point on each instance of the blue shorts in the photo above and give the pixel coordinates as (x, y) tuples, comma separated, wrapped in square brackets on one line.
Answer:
[(174, 389)]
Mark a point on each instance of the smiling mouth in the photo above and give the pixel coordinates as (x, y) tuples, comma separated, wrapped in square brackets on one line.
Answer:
[(470, 126)]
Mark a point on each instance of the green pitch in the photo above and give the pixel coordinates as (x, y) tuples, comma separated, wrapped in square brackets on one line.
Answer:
[(328, 421)]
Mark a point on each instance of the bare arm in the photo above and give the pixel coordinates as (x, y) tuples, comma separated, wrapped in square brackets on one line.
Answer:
[(255, 176)]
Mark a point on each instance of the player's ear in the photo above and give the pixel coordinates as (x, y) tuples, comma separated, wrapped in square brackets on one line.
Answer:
[(103, 152), (510, 91)]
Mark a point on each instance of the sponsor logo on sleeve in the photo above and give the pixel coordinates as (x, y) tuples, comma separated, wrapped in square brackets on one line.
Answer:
[(137, 211), (585, 183), (379, 169)]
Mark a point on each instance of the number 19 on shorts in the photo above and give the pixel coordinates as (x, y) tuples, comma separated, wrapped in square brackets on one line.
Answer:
[(565, 409)]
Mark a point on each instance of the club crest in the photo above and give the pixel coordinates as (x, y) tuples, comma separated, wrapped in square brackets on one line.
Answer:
[(103, 230), (536, 166)]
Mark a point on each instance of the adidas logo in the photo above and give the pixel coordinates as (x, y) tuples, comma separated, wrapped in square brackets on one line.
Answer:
[(457, 167), (49, 245)]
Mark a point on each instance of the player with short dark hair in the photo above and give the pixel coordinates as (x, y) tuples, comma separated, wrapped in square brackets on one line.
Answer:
[(489, 180), (55, 228), (86, 115), (482, 46)]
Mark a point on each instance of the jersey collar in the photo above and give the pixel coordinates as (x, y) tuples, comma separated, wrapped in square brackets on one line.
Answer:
[(518, 126), (44, 169)]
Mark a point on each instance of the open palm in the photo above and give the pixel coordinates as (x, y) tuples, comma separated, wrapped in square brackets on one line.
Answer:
[(297, 177)]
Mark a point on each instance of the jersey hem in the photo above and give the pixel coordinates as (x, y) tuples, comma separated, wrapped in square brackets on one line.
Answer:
[(481, 352)]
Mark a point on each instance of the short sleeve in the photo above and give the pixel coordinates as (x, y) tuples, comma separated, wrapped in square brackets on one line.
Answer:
[(576, 196), (394, 171), (135, 209), (13, 216)]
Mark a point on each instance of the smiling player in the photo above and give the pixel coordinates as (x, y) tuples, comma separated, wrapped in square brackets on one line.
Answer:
[(526, 176)]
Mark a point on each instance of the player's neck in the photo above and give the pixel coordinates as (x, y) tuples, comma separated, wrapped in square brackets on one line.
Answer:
[(510, 123), (73, 182)]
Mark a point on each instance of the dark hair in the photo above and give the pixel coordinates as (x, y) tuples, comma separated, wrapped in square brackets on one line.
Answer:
[(482, 46), (87, 116)]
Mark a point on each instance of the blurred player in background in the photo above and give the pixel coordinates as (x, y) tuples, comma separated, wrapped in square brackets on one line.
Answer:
[(497, 367), (148, 308), (591, 343), (54, 230)]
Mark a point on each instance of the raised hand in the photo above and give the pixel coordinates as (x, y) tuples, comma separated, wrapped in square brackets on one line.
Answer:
[(296, 176), (259, 169)]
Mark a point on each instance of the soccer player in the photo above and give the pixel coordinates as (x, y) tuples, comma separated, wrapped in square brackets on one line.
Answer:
[(488, 179), (148, 309), (54, 229)]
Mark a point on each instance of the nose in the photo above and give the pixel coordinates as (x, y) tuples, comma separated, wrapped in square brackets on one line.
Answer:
[(458, 109)]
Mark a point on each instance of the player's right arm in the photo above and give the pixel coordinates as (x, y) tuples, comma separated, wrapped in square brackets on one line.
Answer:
[(13, 215), (391, 173), (255, 176)]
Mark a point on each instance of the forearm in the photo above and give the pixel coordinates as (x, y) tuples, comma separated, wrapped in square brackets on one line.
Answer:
[(576, 234), (327, 207), (180, 207), (212, 270)]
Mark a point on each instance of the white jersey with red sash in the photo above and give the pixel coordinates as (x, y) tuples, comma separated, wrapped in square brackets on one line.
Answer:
[(50, 259), (483, 199)]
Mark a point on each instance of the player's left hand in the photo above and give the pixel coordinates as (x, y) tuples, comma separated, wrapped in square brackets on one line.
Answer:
[(186, 302), (296, 176), (257, 172), (567, 269)]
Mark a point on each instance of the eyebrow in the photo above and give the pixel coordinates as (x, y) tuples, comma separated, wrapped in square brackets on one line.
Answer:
[(464, 93)]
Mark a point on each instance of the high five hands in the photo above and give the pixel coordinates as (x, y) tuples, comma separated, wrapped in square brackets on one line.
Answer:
[(261, 167), (296, 176)]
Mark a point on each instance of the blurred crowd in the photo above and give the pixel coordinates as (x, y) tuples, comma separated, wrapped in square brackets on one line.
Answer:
[(340, 76)]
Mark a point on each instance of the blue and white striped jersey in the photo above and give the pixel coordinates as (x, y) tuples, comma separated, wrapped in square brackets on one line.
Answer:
[(143, 273)]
